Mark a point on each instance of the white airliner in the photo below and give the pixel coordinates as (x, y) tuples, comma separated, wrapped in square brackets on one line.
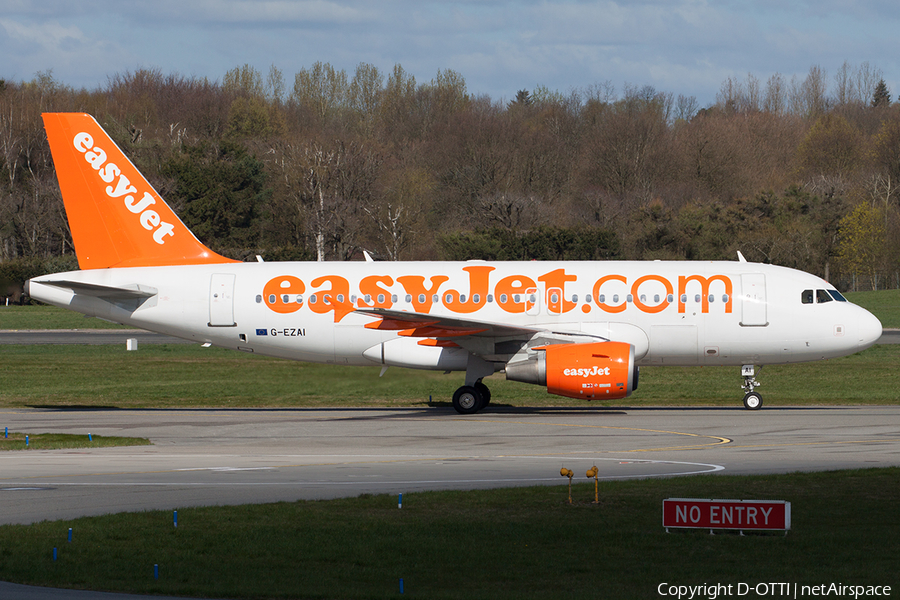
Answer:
[(581, 329)]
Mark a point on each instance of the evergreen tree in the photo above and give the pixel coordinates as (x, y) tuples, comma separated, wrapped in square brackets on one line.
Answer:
[(523, 98), (881, 96)]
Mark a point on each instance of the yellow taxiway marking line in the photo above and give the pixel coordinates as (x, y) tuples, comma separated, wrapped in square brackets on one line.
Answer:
[(822, 443), (719, 439)]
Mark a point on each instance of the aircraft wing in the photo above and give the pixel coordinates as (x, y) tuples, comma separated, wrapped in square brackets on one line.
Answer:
[(497, 342), (422, 325)]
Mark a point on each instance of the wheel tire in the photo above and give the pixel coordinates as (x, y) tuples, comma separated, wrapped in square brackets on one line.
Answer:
[(753, 401), (467, 400), (485, 393)]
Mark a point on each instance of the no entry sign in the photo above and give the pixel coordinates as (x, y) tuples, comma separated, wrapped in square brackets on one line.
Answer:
[(692, 513)]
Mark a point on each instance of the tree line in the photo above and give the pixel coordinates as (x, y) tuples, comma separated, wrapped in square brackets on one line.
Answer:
[(801, 172)]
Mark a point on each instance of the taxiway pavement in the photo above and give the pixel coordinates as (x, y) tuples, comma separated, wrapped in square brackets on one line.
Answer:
[(237, 456)]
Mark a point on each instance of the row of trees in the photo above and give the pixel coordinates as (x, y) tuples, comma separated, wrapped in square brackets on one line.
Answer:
[(801, 172)]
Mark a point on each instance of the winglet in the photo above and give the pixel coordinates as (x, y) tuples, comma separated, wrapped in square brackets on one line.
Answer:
[(741, 257), (116, 217)]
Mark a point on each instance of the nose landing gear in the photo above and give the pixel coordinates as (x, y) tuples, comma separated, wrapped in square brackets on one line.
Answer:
[(752, 400)]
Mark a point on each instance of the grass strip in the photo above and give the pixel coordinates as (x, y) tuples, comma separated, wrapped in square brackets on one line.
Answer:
[(59, 441), (506, 543), (884, 304), (41, 316), (179, 375)]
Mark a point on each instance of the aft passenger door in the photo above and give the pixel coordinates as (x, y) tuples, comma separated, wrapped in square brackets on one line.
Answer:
[(221, 300)]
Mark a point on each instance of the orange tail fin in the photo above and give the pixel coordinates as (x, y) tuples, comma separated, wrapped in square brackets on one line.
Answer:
[(116, 217)]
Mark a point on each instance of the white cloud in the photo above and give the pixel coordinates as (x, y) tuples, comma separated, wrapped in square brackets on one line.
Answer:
[(64, 49)]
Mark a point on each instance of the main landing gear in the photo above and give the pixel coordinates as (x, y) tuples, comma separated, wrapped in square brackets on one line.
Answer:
[(469, 399), (752, 400), (474, 395)]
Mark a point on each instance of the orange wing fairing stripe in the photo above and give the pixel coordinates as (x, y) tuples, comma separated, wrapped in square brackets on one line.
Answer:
[(439, 332), (396, 324), (438, 343)]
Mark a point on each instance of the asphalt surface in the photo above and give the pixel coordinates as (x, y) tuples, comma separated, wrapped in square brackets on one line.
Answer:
[(219, 457), (13, 591)]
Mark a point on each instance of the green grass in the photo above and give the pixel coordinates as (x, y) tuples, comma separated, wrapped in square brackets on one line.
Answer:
[(49, 317), (884, 304), (508, 543), (58, 441), (179, 375)]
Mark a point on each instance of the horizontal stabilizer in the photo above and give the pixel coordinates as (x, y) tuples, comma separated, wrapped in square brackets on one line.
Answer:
[(133, 290)]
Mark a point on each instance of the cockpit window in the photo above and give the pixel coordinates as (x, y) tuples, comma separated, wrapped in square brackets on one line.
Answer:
[(823, 296), (837, 295), (806, 296)]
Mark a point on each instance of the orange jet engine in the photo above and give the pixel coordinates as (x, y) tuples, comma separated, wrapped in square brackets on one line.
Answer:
[(590, 371)]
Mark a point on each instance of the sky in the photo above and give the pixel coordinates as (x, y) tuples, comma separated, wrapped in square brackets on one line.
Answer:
[(685, 47)]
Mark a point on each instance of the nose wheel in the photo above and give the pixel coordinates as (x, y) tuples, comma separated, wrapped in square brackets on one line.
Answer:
[(752, 399)]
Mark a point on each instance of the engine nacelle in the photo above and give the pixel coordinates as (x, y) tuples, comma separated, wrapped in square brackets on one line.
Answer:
[(589, 371)]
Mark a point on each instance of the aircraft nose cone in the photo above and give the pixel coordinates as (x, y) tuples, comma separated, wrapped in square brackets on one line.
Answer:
[(869, 330)]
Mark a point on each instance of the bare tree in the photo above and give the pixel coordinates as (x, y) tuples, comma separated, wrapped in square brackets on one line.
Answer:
[(244, 80), (808, 97), (398, 211), (321, 88), (775, 99), (365, 95)]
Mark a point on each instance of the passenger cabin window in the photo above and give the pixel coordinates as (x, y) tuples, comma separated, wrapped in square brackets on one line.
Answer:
[(823, 296), (806, 296)]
